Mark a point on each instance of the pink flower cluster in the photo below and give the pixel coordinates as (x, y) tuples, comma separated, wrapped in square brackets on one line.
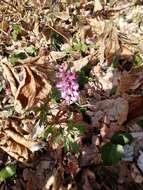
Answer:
[(67, 85)]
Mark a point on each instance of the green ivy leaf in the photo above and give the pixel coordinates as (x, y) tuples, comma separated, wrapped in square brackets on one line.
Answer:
[(111, 153), (7, 172), (122, 138)]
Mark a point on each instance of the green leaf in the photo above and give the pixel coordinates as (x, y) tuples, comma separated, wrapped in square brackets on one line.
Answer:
[(80, 127), (111, 153), (113, 90), (31, 50), (79, 46), (122, 138), (15, 56), (7, 172), (137, 59), (55, 94), (16, 31), (70, 145), (82, 78), (115, 62)]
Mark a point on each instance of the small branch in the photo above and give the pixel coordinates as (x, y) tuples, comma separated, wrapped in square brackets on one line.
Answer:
[(59, 33)]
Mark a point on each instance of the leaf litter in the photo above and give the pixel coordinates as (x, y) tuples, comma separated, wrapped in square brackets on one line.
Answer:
[(71, 94)]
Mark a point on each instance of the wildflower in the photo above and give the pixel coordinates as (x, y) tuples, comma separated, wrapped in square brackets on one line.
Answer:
[(68, 85)]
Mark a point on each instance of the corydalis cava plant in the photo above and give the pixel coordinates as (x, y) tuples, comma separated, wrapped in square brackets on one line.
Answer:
[(67, 85)]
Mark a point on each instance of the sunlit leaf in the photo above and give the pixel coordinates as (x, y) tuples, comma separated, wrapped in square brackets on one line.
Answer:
[(122, 138), (31, 50), (7, 172), (111, 153)]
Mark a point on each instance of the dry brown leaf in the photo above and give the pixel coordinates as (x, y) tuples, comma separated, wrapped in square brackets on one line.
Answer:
[(109, 44), (97, 5), (4, 26), (13, 141), (114, 109), (135, 106), (7, 73), (32, 80), (130, 81), (26, 92), (79, 64), (62, 15)]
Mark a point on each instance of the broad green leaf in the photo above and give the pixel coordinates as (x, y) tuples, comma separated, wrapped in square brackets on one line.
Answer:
[(7, 172), (111, 153), (122, 138)]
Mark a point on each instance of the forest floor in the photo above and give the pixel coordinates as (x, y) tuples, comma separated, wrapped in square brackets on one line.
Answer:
[(71, 95)]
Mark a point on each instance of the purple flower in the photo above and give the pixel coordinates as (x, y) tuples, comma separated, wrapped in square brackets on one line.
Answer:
[(67, 85)]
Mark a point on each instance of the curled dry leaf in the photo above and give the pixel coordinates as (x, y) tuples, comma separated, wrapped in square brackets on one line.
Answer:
[(79, 64), (131, 81), (109, 44), (13, 141), (135, 106), (29, 83)]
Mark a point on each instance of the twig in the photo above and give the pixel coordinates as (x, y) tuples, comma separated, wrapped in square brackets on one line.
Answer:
[(59, 33), (3, 32), (10, 4)]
